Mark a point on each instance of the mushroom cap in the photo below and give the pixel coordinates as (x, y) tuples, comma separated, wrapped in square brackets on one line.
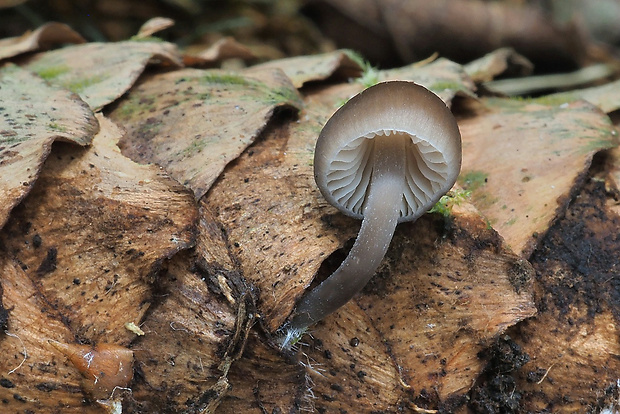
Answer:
[(420, 117)]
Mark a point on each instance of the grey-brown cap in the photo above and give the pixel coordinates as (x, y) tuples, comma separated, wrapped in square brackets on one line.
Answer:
[(345, 146)]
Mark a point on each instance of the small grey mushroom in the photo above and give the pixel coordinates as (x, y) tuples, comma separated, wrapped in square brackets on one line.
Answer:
[(385, 157)]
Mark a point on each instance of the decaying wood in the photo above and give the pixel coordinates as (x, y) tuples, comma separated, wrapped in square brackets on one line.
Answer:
[(413, 337), (195, 262), (282, 231), (93, 233), (574, 341), (34, 374), (185, 339)]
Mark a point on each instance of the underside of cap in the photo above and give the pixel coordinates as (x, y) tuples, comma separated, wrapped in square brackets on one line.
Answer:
[(349, 173), (391, 110)]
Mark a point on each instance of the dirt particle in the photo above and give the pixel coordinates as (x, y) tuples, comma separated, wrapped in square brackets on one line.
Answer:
[(48, 264), (496, 390), (46, 386), (520, 274), (6, 383), (4, 316), (19, 398)]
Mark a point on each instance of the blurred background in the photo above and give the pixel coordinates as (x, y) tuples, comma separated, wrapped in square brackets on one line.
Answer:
[(556, 35)]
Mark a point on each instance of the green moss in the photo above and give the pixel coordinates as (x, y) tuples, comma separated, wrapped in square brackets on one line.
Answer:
[(55, 127), (356, 57), (472, 180), (271, 95), (153, 39), (451, 199), (52, 72), (370, 77), (130, 107), (370, 74), (194, 148), (79, 85), (149, 129), (283, 94), (225, 79), (443, 85), (10, 137), (488, 223), (341, 102), (555, 99), (511, 221), (483, 199)]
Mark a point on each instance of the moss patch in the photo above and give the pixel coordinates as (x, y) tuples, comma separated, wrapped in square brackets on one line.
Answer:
[(472, 180), (52, 72)]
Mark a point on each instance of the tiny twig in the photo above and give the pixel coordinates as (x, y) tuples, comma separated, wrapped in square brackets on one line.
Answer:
[(25, 351), (545, 376)]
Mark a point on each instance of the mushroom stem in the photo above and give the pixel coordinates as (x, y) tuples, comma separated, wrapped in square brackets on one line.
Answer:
[(381, 214)]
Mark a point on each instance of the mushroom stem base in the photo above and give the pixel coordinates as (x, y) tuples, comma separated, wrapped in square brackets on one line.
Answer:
[(381, 214)]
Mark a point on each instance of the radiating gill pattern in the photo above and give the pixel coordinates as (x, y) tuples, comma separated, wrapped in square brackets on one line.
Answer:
[(349, 181), (346, 178), (425, 176)]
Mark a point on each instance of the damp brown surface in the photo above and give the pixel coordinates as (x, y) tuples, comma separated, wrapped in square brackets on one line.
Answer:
[(569, 352)]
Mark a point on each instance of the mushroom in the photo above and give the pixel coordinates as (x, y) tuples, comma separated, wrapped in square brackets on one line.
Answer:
[(385, 157)]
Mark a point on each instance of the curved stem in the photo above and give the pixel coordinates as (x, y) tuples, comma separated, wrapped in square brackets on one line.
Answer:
[(381, 215)]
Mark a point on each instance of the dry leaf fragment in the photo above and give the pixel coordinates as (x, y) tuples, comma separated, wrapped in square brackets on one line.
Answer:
[(302, 69), (606, 97), (94, 232), (226, 48), (46, 36), (154, 25), (496, 63), (442, 76), (194, 122), (45, 379), (34, 114), (131, 326), (110, 70), (522, 159)]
